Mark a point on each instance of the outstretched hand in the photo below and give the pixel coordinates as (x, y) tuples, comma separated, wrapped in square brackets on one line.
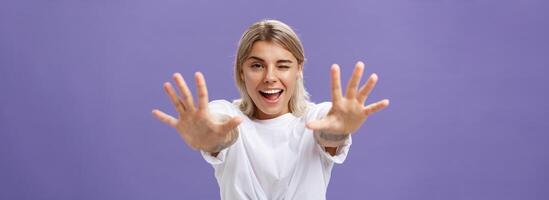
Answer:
[(348, 112), (196, 126)]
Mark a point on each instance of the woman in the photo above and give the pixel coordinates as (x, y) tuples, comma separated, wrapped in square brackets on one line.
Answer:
[(272, 143)]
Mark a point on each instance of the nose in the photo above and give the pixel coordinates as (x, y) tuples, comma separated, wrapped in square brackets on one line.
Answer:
[(270, 77)]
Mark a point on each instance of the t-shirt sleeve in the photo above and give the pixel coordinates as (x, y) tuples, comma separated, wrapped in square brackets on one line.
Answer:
[(341, 152), (318, 111), (219, 109), (215, 160)]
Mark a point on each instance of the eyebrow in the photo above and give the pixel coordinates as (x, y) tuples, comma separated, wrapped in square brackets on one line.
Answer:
[(278, 61)]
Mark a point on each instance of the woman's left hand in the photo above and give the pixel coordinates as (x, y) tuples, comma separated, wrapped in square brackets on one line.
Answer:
[(348, 112)]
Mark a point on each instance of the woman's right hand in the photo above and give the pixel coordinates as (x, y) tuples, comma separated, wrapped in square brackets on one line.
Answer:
[(198, 128)]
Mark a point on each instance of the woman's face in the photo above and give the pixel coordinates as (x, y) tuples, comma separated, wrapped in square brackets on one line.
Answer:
[(270, 74)]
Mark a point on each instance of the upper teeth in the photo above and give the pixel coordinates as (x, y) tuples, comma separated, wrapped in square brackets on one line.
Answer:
[(271, 91)]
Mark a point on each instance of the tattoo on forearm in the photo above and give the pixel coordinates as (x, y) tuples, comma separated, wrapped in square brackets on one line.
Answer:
[(333, 137)]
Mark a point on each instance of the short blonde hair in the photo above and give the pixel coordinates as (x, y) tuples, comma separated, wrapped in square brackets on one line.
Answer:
[(281, 34)]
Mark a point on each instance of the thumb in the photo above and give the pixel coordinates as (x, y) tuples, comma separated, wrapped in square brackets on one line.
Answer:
[(231, 123), (317, 125)]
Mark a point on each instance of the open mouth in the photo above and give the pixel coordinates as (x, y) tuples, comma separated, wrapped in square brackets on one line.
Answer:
[(271, 95)]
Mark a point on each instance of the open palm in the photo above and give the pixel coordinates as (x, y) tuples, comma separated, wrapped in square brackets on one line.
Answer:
[(348, 112), (197, 126)]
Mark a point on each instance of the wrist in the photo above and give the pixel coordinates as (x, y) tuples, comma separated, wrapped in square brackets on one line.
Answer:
[(331, 139), (229, 139)]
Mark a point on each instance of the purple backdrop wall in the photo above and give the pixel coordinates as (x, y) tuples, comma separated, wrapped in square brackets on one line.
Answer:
[(467, 82)]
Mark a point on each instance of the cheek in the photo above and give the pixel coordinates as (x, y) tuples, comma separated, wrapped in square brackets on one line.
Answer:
[(290, 82), (250, 81)]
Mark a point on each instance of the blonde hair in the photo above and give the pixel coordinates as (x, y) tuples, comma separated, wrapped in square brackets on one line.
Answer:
[(281, 34)]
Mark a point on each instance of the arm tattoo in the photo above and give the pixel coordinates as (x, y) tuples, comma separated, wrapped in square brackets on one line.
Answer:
[(333, 137)]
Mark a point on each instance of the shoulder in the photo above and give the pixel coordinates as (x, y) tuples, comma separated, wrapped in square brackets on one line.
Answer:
[(222, 106), (219, 102)]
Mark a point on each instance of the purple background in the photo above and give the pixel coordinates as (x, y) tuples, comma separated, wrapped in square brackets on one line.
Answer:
[(467, 82)]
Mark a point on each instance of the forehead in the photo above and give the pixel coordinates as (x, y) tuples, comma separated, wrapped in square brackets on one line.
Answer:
[(270, 51)]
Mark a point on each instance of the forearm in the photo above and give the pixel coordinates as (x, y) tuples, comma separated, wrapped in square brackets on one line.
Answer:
[(330, 139)]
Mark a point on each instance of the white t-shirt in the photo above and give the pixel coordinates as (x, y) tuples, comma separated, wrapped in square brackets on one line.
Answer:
[(274, 159)]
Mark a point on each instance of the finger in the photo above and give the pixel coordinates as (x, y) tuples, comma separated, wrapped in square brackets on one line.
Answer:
[(163, 117), (202, 91), (174, 98), (184, 89), (352, 85), (375, 107), (367, 88), (336, 83), (231, 123)]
